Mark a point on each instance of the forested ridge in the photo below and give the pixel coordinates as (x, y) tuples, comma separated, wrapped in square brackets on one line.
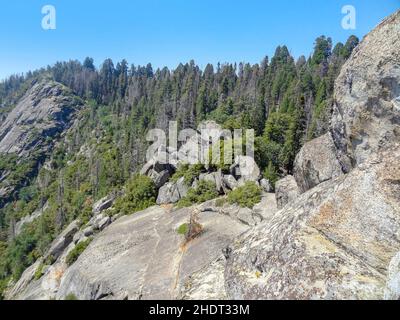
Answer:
[(286, 102)]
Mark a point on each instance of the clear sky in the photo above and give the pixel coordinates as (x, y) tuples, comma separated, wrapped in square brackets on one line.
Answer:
[(166, 32)]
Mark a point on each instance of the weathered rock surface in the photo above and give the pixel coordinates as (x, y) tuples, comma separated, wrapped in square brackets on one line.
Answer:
[(266, 185), (24, 281), (366, 115), (43, 112), (103, 204), (142, 256), (206, 284), (335, 242), (172, 192), (230, 181), (245, 169), (251, 217), (63, 240), (316, 162), (286, 191), (392, 290), (160, 178)]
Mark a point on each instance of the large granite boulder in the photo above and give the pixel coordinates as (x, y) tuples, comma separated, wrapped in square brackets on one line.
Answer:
[(316, 162), (103, 204), (366, 113), (172, 192), (286, 191), (245, 169), (63, 240), (336, 241), (229, 181), (160, 178)]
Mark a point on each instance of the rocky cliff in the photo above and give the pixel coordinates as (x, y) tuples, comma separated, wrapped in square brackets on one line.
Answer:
[(144, 256), (44, 111), (331, 231), (33, 126)]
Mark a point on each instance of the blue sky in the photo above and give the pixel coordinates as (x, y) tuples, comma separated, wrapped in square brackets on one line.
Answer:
[(166, 32)]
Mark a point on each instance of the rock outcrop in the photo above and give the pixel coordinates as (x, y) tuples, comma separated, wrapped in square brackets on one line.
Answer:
[(335, 242), (286, 191), (316, 162), (31, 128), (44, 111), (245, 169), (28, 219), (340, 239), (172, 192), (143, 256), (62, 241), (366, 109), (103, 204)]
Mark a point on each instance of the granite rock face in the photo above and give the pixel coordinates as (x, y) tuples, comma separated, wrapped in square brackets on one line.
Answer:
[(143, 256), (172, 192), (316, 162), (286, 191), (45, 111), (392, 290), (335, 242), (366, 113), (63, 240), (30, 218), (245, 169)]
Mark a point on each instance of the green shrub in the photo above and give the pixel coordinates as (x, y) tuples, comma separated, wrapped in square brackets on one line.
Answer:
[(39, 272), (205, 190), (50, 260), (189, 172), (71, 296), (76, 252), (140, 194), (271, 175), (246, 196), (183, 228), (3, 286)]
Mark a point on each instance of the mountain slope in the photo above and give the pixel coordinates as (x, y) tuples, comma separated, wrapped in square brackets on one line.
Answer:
[(73, 206), (28, 133)]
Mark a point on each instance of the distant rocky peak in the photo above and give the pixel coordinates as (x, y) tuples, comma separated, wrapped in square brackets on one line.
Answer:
[(43, 112)]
